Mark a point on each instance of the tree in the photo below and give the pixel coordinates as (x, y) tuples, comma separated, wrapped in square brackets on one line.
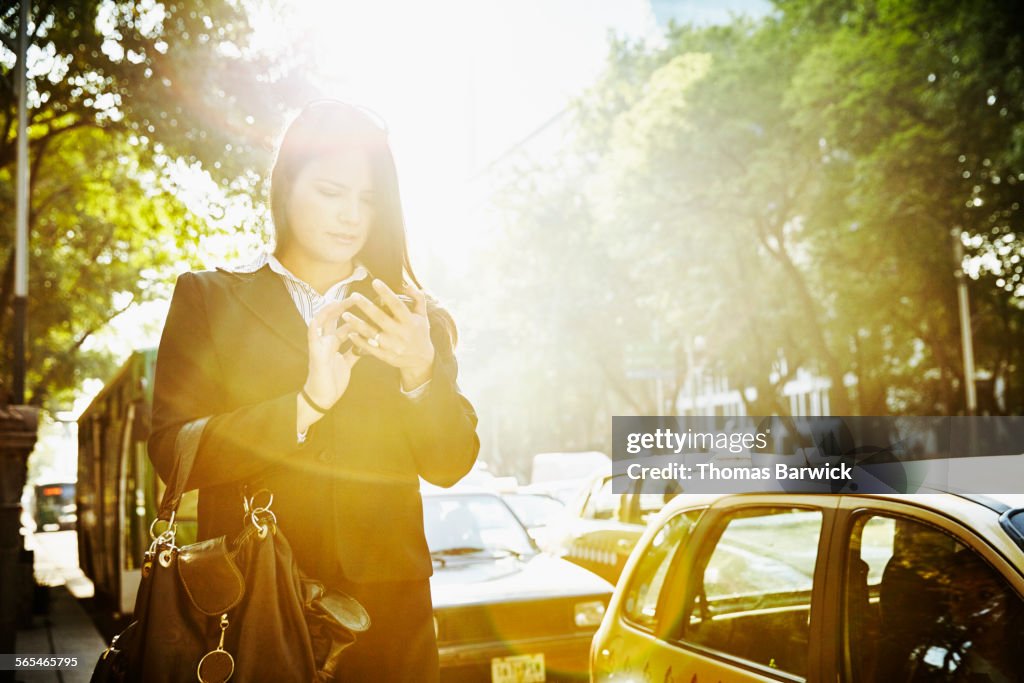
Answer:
[(917, 109), (785, 189), (706, 167), (696, 182), (126, 98)]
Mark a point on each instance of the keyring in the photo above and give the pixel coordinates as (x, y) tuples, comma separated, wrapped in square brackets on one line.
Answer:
[(170, 528), (262, 529), (250, 502), (217, 665)]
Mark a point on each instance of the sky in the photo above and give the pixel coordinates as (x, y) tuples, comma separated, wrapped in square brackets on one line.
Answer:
[(458, 82)]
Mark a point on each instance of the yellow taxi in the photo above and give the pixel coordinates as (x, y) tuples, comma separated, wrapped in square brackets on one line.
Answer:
[(599, 528), (836, 588)]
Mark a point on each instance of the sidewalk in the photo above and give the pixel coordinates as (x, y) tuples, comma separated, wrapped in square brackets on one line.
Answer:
[(67, 631)]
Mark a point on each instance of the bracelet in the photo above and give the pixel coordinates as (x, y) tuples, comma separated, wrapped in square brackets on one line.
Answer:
[(312, 404)]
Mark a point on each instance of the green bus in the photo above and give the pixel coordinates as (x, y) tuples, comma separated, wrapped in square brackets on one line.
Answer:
[(118, 489)]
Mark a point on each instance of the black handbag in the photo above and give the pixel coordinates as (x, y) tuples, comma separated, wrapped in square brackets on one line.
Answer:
[(216, 609)]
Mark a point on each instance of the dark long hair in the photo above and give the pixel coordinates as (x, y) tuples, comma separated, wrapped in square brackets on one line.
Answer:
[(329, 126)]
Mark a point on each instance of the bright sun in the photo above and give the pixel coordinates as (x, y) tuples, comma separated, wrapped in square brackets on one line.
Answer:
[(412, 63)]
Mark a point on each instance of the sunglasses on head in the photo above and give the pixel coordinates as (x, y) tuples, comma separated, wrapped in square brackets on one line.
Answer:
[(330, 104)]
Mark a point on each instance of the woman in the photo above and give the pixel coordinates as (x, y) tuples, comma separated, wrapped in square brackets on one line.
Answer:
[(326, 387)]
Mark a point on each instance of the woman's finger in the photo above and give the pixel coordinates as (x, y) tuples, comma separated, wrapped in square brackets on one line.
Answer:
[(378, 317), (314, 337), (418, 297), (343, 331), (331, 311), (360, 343), (391, 300), (312, 333), (357, 324)]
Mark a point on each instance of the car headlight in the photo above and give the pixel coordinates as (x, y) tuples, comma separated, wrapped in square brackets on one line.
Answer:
[(588, 613)]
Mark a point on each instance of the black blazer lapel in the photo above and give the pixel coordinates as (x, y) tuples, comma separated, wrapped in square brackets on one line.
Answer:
[(265, 295)]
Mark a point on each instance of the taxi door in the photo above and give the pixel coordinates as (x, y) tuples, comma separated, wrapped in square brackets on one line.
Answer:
[(742, 599)]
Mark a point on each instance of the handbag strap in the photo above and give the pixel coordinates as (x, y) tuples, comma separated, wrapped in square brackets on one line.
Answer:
[(186, 444)]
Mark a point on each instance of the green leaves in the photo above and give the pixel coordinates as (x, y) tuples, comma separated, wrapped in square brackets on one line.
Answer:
[(786, 191), (149, 124)]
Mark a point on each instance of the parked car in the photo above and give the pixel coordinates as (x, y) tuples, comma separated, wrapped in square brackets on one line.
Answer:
[(600, 527), (568, 466), (782, 587), (504, 612), (563, 490), (537, 512)]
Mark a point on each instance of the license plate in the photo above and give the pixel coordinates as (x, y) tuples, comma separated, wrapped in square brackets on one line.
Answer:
[(518, 669)]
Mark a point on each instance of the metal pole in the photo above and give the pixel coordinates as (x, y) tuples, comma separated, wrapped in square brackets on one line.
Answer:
[(21, 217), (966, 338)]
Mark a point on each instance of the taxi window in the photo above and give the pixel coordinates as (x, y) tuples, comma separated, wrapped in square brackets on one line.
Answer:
[(602, 503), (641, 598), (647, 506), (752, 600), (651, 498), (919, 604)]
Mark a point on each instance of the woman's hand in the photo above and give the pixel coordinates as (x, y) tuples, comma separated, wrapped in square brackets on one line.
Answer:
[(329, 370), (398, 336)]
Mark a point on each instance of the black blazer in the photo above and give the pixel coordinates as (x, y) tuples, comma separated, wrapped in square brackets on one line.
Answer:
[(234, 347)]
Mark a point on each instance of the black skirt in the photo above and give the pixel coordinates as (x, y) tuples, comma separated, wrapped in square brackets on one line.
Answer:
[(400, 646)]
